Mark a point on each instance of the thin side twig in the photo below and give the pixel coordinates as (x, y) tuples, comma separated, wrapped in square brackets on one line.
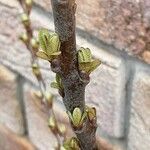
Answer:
[(42, 86)]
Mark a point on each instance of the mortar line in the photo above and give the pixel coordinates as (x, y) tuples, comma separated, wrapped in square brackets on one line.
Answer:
[(20, 97), (130, 66), (89, 37)]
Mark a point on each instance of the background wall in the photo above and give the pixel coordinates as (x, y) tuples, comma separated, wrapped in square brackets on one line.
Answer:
[(117, 32)]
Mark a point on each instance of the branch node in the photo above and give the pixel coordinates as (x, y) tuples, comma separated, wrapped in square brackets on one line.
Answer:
[(55, 66)]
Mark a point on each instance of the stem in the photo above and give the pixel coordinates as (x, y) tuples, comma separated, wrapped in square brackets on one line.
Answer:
[(34, 59), (73, 83), (33, 54), (65, 27)]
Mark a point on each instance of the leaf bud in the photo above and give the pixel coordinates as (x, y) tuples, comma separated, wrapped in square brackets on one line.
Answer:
[(91, 113), (61, 129), (49, 98), (25, 19), (35, 69), (29, 3), (24, 37), (34, 43), (52, 123), (77, 118)]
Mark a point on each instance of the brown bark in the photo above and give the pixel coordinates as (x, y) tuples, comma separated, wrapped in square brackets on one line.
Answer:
[(73, 82)]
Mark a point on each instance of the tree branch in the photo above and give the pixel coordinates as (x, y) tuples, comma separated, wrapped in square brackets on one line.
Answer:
[(74, 82), (64, 17)]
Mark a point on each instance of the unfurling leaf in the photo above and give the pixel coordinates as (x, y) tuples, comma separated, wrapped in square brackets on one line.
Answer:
[(44, 39), (50, 45), (86, 63), (55, 44), (84, 55), (42, 55), (58, 84), (90, 66)]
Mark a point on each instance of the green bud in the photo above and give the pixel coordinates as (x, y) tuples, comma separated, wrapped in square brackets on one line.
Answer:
[(35, 69), (86, 63), (29, 3), (71, 144), (77, 118), (44, 39), (49, 44), (58, 84), (91, 113), (77, 114), (54, 44), (24, 37), (74, 143), (61, 129), (34, 43), (52, 122), (49, 98), (25, 19), (84, 55)]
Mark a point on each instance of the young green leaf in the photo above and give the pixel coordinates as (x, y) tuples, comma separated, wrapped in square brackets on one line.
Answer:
[(84, 55), (50, 45), (55, 44), (91, 66), (44, 39), (42, 55), (54, 85), (86, 63)]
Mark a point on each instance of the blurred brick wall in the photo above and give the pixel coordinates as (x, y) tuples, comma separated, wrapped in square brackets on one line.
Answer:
[(117, 33), (124, 24)]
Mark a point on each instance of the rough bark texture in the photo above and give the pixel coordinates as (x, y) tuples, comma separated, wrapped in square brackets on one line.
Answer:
[(74, 86), (63, 11)]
